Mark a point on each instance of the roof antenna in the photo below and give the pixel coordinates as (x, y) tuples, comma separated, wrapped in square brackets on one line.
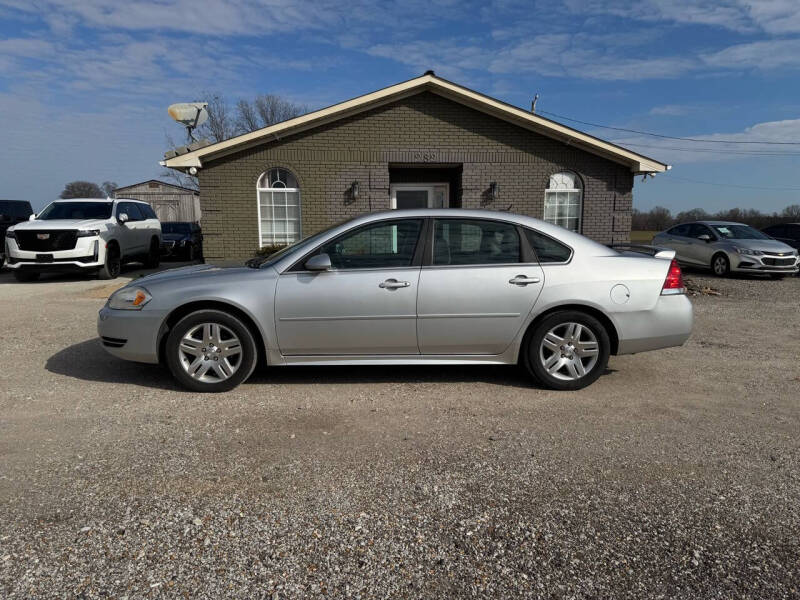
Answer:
[(533, 104)]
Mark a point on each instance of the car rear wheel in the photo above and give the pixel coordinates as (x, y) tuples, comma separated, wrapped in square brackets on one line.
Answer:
[(568, 350), (25, 276), (113, 263), (210, 351), (720, 265)]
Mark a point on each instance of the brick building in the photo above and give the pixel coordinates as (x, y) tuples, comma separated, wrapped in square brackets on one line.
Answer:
[(423, 142)]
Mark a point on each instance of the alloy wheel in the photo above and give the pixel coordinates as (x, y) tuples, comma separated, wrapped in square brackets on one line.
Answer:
[(569, 351), (210, 352)]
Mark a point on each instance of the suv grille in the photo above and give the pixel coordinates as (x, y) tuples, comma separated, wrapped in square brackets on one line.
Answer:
[(59, 239)]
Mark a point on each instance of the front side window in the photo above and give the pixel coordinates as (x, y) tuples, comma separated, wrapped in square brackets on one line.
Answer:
[(474, 242), (563, 201), (379, 245), (76, 210), (278, 208), (130, 209)]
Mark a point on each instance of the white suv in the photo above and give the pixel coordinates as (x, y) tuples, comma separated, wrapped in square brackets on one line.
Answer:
[(84, 235)]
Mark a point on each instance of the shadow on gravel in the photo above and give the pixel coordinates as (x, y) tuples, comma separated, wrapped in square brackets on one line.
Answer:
[(89, 362)]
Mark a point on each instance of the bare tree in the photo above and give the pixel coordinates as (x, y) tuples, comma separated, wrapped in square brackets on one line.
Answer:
[(108, 188), (82, 189), (274, 109), (246, 117), (791, 213), (220, 124)]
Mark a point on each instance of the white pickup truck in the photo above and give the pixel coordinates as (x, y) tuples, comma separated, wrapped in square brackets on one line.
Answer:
[(85, 235)]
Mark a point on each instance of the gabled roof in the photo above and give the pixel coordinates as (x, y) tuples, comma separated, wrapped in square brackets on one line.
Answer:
[(637, 163), (158, 181)]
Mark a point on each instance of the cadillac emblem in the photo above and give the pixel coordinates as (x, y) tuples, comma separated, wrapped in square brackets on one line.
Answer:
[(42, 236)]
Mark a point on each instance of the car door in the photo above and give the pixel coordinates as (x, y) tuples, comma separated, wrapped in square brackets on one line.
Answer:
[(679, 241), (700, 251), (365, 305), (793, 235), (126, 232), (475, 291)]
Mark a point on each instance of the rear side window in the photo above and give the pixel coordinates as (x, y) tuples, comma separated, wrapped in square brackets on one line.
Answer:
[(474, 242), (682, 230), (546, 248), (147, 211)]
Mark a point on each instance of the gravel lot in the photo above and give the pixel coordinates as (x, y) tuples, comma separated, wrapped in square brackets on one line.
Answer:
[(676, 475)]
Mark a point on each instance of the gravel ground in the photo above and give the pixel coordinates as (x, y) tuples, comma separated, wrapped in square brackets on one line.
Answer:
[(676, 475)]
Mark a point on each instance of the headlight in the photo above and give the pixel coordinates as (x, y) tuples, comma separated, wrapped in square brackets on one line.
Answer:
[(10, 234), (129, 298), (749, 251), (89, 233)]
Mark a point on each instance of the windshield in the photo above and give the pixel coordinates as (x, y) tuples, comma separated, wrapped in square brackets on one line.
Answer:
[(739, 232), (175, 228), (76, 210), (258, 261)]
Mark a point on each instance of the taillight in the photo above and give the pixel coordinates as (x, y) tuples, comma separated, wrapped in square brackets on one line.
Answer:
[(673, 284)]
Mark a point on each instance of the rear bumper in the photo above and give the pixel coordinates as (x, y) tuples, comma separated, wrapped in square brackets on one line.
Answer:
[(668, 324), (131, 334)]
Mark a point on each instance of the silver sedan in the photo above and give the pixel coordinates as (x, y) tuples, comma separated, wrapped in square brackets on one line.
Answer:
[(407, 287)]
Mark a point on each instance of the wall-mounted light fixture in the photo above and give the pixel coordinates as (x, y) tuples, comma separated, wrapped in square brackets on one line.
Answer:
[(494, 190), (354, 190)]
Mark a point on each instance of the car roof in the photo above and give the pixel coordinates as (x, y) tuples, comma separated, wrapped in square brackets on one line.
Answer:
[(720, 223), (84, 200)]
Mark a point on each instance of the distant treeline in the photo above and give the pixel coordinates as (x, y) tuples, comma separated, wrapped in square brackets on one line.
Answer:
[(659, 218)]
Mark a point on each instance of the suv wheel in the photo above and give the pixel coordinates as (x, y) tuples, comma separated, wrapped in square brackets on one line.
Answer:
[(25, 276), (568, 350), (720, 265), (153, 258), (210, 351), (113, 264)]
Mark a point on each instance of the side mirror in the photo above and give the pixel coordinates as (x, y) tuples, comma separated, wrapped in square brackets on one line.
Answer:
[(32, 218), (320, 262), (705, 237), (122, 218)]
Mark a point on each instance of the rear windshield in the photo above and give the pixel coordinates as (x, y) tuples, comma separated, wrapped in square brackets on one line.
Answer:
[(13, 208), (175, 228), (76, 210), (739, 232)]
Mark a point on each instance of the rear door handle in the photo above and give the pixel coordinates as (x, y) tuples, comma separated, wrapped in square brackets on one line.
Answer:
[(392, 284), (524, 280)]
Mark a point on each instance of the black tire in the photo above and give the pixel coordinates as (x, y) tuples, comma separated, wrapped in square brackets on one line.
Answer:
[(190, 253), (175, 359), (25, 276), (536, 353), (153, 258), (113, 263), (720, 265)]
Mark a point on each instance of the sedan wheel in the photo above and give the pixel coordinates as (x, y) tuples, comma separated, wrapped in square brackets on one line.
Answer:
[(568, 350), (720, 265), (210, 351)]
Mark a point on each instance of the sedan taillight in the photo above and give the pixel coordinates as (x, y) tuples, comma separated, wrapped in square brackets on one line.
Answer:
[(673, 284)]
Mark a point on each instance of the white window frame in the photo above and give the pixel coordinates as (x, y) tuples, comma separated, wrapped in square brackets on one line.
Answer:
[(419, 187), (573, 190), (260, 189)]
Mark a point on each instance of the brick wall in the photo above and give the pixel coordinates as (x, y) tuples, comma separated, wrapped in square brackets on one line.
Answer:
[(421, 129)]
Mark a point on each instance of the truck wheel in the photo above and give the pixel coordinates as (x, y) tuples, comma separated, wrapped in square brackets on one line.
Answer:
[(153, 255), (113, 264), (25, 276)]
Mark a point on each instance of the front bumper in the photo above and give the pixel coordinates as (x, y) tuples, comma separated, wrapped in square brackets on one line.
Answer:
[(668, 324), (746, 263), (131, 334), (88, 253)]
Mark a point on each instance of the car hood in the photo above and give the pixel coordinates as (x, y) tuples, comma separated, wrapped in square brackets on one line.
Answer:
[(771, 246), (174, 236), (192, 272), (59, 224)]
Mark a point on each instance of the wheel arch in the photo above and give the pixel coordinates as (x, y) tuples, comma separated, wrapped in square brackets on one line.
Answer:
[(605, 320), (184, 309)]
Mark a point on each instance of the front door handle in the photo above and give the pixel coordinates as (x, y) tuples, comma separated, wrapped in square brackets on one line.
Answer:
[(524, 280), (393, 284)]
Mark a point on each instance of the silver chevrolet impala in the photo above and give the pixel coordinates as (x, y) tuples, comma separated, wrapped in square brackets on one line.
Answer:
[(439, 286)]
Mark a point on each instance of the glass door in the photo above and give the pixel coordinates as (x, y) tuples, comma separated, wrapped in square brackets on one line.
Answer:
[(429, 195)]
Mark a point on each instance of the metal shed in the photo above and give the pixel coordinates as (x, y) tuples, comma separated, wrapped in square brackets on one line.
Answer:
[(171, 202)]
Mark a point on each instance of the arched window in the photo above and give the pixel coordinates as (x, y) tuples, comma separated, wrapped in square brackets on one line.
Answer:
[(278, 208), (563, 201)]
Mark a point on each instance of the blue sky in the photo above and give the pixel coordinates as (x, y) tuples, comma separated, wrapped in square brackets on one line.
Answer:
[(84, 84)]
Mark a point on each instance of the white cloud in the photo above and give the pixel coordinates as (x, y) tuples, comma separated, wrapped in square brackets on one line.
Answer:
[(672, 110), (770, 54)]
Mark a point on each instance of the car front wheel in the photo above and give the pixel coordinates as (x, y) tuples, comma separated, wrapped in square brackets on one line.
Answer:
[(720, 265), (210, 351), (112, 265), (568, 350)]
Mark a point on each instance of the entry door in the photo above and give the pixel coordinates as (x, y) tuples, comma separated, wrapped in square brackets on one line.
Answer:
[(365, 305), (475, 296), (422, 195)]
